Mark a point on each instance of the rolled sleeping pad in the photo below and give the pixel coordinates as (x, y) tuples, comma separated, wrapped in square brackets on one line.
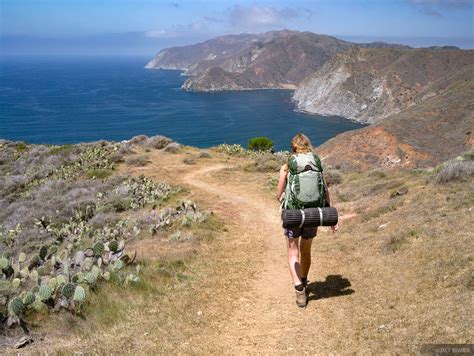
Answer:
[(310, 217)]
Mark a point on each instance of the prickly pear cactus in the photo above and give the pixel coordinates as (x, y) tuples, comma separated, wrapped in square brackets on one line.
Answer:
[(60, 280), (68, 290), (90, 278), (28, 299), (15, 306), (95, 271), (43, 270), (79, 294), (22, 257), (52, 250), (78, 277), (45, 292), (16, 283), (113, 245), (53, 283), (118, 265), (34, 275), (87, 264), (43, 252), (34, 262), (98, 249), (4, 263)]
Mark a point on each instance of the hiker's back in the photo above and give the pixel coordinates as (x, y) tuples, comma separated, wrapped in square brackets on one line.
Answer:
[(305, 186)]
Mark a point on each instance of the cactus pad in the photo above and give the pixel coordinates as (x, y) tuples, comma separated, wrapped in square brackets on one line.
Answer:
[(34, 275), (90, 278), (98, 249), (53, 283), (4, 263), (43, 252), (15, 306), (35, 261), (113, 246), (22, 257), (87, 264), (78, 277), (79, 294), (29, 299), (68, 290), (52, 250), (43, 270), (60, 280), (118, 265), (45, 292), (16, 283), (95, 271)]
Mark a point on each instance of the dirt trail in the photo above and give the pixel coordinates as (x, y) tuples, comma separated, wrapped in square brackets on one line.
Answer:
[(264, 317)]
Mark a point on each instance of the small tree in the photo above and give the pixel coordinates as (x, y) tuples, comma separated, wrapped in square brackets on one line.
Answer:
[(260, 144)]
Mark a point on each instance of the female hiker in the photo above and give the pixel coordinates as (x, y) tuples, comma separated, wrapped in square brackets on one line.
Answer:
[(304, 163)]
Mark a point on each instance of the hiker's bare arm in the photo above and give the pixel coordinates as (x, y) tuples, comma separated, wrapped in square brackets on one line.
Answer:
[(328, 200), (326, 191), (282, 181)]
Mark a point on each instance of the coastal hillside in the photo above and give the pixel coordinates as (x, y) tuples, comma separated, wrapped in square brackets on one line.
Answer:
[(279, 59), (161, 248), (370, 84), (438, 127), (421, 99)]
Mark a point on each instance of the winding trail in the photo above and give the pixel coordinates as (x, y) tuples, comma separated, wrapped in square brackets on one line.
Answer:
[(264, 317)]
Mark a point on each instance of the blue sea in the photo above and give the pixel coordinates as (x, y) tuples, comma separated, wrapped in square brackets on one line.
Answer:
[(57, 100)]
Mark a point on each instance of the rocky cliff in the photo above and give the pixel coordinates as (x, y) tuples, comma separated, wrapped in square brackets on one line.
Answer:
[(370, 84), (432, 131)]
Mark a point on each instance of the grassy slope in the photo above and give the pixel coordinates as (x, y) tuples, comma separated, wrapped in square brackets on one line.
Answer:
[(408, 259)]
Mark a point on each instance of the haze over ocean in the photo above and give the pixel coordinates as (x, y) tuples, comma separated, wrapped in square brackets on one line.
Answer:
[(57, 100)]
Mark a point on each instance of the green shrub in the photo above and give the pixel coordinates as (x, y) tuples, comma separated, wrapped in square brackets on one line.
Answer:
[(260, 144), (21, 146)]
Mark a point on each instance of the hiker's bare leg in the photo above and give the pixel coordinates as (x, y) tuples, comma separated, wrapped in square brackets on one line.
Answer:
[(305, 256), (294, 260)]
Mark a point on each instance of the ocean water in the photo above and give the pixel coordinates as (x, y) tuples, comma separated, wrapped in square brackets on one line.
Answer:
[(57, 100)]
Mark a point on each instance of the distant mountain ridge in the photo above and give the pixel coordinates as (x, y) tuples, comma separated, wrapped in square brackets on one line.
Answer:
[(417, 97), (277, 59)]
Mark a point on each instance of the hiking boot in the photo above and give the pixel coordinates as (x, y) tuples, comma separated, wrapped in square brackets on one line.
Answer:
[(301, 298), (305, 285)]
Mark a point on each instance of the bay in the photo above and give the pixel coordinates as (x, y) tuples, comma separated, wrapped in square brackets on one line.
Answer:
[(58, 100)]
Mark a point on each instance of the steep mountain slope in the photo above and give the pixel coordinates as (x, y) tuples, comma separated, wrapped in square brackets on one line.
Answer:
[(282, 62), (185, 56), (370, 84), (427, 133), (211, 52), (278, 59)]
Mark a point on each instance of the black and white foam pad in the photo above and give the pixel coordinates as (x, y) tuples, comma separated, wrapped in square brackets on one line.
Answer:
[(310, 217)]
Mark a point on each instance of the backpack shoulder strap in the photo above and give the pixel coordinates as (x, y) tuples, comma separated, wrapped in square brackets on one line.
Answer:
[(318, 162)]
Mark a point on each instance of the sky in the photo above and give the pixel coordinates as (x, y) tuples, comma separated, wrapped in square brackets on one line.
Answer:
[(143, 27)]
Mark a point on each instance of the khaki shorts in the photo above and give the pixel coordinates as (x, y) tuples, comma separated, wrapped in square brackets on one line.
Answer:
[(305, 232)]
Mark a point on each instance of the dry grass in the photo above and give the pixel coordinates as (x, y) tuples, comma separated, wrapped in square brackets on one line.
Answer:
[(407, 259)]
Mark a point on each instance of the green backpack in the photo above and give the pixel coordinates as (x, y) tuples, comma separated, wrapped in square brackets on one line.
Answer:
[(305, 185)]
